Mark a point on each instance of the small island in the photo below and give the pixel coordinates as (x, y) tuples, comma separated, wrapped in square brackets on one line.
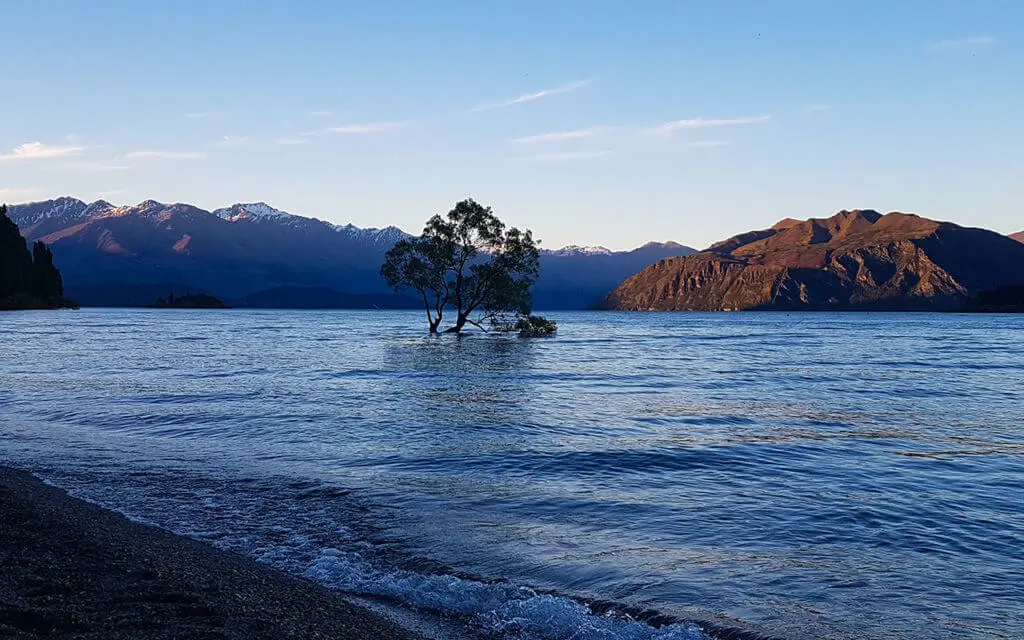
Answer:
[(190, 301)]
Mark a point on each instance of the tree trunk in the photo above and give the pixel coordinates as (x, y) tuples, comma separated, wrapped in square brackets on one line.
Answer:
[(460, 322)]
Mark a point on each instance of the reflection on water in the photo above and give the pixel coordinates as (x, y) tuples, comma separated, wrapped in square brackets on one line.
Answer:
[(803, 476)]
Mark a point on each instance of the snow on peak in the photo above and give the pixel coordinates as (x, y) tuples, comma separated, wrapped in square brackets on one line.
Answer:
[(252, 211), (386, 236), (577, 250), (35, 212)]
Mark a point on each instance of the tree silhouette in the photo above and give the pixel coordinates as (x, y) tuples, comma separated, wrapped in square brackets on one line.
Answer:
[(28, 279), (469, 262)]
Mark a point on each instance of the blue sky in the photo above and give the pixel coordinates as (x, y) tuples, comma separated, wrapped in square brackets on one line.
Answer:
[(591, 122)]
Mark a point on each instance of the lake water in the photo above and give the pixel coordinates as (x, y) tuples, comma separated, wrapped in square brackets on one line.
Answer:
[(794, 475)]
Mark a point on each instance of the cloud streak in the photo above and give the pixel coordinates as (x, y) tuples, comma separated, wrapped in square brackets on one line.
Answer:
[(966, 44), (232, 142), (96, 166), (15, 194), (707, 144), (148, 154), (564, 136), (111, 193), (368, 127), (356, 129), (704, 123), (530, 97), (566, 156), (40, 151)]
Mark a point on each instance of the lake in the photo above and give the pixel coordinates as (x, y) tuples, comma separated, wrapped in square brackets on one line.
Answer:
[(800, 476)]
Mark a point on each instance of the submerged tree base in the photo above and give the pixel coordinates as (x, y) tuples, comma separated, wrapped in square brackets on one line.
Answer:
[(533, 326), (528, 326)]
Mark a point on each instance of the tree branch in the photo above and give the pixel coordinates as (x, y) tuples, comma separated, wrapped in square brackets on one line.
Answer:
[(477, 324)]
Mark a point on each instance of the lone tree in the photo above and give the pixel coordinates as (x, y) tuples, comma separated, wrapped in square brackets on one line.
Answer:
[(467, 262)]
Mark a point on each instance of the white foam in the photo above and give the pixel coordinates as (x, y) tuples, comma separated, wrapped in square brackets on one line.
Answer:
[(501, 608)]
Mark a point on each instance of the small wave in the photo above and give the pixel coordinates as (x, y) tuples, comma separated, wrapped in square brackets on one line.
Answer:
[(502, 609)]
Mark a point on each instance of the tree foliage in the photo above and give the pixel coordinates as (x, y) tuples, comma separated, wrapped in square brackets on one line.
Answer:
[(467, 262), (28, 279)]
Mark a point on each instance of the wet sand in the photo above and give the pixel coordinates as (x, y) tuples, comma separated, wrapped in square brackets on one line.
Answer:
[(70, 569)]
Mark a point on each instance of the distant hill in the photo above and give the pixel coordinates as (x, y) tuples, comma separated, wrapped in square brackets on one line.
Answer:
[(126, 256), (230, 252), (120, 294), (324, 298), (1002, 300), (28, 280), (853, 260), (576, 279), (190, 301)]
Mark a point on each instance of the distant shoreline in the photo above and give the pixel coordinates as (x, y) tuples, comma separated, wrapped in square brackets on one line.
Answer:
[(69, 568)]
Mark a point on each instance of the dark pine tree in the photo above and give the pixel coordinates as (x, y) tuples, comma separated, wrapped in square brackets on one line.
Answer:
[(15, 260), (28, 280), (46, 281)]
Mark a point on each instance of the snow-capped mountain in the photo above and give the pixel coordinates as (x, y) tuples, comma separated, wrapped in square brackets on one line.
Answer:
[(385, 237), (259, 211), (577, 250), (63, 209), (125, 255), (262, 212)]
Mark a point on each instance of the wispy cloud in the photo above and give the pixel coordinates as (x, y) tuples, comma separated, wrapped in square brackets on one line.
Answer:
[(815, 108), (367, 127), (40, 151), (321, 113), (164, 155), (111, 193), (566, 156), (709, 143), (291, 141), (356, 128), (96, 165), (966, 44), (564, 136), (704, 123), (530, 97), (13, 194), (232, 142)]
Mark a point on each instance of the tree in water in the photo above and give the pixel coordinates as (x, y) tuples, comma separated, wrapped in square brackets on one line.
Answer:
[(467, 262)]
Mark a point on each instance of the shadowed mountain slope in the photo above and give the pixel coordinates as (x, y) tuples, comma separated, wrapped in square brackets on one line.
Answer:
[(852, 260), (256, 254)]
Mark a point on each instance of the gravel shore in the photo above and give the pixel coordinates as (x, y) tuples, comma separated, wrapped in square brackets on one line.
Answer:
[(70, 569)]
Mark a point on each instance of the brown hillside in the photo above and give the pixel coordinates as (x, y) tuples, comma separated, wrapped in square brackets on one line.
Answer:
[(852, 260)]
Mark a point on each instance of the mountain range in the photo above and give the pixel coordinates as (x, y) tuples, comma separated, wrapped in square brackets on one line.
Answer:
[(1019, 236), (853, 260), (256, 255)]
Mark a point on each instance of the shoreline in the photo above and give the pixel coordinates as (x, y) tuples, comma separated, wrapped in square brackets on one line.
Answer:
[(72, 569)]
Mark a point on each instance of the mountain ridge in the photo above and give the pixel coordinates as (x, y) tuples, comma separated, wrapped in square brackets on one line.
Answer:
[(855, 259), (245, 248), (59, 208)]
